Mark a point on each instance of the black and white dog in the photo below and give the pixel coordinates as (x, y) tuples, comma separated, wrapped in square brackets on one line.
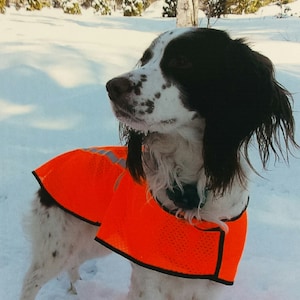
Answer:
[(188, 113)]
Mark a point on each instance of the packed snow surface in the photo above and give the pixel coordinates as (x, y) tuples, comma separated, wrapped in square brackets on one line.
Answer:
[(53, 69)]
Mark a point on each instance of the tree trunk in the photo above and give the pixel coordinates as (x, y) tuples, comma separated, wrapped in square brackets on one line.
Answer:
[(187, 13)]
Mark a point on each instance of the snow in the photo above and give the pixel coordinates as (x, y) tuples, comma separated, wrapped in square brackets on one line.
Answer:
[(53, 69)]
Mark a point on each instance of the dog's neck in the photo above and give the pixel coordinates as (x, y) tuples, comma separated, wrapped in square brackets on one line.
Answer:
[(173, 159), (176, 160)]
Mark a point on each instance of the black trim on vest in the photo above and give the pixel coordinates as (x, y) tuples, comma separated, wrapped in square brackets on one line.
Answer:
[(213, 277), (220, 252), (179, 216)]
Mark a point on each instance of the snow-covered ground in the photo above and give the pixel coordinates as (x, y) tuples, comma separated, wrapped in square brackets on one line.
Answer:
[(53, 68)]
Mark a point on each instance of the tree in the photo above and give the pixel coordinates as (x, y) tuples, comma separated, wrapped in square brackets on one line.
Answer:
[(71, 7), (101, 6), (245, 6), (2, 6), (214, 8), (132, 7), (34, 5), (170, 8), (187, 13)]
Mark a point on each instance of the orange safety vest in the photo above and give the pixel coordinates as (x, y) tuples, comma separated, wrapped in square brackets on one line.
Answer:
[(94, 185)]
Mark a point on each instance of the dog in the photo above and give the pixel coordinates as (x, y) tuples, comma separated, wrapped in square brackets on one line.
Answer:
[(188, 112)]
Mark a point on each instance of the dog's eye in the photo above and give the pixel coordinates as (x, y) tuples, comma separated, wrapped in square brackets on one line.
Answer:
[(179, 62), (146, 57)]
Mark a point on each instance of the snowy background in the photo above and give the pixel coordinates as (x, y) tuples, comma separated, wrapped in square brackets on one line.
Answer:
[(53, 69)]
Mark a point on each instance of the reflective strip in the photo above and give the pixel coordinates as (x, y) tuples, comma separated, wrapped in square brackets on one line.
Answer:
[(114, 159)]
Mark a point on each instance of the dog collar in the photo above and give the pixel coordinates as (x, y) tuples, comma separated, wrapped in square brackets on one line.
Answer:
[(187, 197)]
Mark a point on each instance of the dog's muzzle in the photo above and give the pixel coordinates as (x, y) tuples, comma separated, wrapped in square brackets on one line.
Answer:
[(118, 87)]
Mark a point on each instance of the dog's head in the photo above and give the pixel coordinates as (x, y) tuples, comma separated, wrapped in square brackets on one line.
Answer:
[(190, 73)]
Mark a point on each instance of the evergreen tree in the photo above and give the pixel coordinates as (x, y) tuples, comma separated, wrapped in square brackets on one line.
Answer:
[(133, 7), (71, 7), (33, 5), (170, 8), (246, 6), (56, 3), (87, 3), (101, 6), (2, 6)]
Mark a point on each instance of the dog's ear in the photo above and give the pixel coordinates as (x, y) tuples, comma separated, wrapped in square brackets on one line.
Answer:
[(134, 142), (249, 101)]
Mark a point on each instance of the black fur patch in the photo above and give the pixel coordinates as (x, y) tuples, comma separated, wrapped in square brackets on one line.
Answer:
[(45, 198), (186, 199)]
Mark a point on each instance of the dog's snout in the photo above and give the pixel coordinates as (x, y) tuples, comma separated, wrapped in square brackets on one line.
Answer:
[(117, 87)]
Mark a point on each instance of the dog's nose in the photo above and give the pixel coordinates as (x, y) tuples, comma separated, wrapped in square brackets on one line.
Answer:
[(118, 86)]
